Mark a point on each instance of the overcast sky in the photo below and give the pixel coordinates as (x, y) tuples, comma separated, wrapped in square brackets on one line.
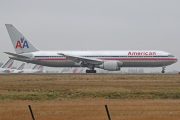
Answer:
[(94, 25)]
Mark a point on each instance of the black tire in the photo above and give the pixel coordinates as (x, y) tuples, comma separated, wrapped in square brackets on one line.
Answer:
[(90, 71), (87, 71), (93, 71)]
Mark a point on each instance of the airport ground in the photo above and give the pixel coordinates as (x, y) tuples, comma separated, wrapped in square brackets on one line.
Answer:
[(83, 96)]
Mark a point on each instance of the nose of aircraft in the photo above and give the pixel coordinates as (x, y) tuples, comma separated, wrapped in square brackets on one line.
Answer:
[(175, 59)]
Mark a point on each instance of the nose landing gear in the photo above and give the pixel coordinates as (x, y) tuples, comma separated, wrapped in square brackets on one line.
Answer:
[(163, 69)]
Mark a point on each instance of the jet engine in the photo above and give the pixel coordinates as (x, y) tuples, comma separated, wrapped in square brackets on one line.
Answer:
[(111, 65)]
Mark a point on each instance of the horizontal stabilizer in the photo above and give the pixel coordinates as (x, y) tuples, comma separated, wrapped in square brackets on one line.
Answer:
[(17, 55)]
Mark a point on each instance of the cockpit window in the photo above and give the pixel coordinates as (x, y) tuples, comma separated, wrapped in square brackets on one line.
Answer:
[(170, 55)]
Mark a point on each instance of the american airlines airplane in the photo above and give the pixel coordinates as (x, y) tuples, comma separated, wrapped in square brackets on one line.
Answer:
[(5, 68), (110, 60)]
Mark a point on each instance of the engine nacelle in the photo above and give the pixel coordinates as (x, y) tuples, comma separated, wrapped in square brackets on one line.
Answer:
[(111, 65)]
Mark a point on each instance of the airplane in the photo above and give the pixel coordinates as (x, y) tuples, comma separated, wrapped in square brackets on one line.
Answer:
[(19, 69), (74, 70), (34, 69), (111, 60), (5, 68), (66, 70)]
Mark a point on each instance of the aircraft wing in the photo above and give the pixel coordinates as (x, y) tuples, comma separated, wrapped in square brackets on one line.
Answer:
[(17, 55), (84, 59)]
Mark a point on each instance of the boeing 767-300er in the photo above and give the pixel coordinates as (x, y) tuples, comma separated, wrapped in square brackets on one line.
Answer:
[(110, 60)]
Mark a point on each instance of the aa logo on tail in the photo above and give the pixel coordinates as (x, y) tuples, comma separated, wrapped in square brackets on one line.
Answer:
[(22, 43)]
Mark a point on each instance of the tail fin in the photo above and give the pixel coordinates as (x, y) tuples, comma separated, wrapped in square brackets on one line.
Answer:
[(74, 70), (37, 67), (21, 66), (20, 43), (40, 67), (8, 64)]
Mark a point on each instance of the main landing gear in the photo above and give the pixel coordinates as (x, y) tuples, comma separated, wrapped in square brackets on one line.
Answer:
[(163, 69), (91, 67)]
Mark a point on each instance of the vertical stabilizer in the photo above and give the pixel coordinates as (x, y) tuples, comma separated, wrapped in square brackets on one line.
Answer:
[(34, 67), (20, 43), (21, 66), (37, 67), (8, 64)]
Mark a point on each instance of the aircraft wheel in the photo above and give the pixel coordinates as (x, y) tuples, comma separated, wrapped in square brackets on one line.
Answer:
[(90, 71), (163, 69), (93, 71)]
